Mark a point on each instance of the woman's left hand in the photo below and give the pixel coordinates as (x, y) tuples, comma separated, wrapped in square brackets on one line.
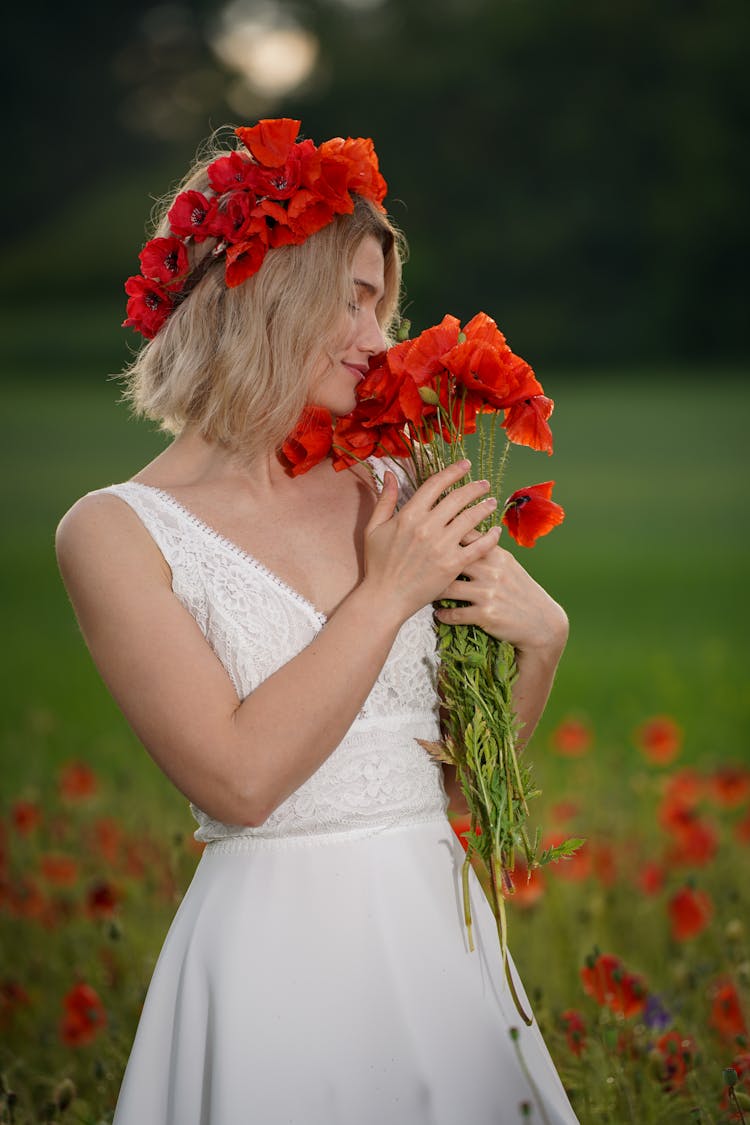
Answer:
[(507, 603)]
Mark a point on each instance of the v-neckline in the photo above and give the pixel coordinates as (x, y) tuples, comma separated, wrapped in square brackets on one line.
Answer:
[(230, 545)]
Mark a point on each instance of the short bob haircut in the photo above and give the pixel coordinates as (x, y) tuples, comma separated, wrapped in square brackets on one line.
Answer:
[(235, 363)]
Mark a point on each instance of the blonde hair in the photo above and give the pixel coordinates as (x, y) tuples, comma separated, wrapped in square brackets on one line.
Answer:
[(236, 362)]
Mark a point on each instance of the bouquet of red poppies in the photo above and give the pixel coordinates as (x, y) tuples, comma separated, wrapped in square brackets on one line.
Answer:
[(417, 403)]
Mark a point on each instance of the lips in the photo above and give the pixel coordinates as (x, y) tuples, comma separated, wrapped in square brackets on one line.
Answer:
[(357, 369)]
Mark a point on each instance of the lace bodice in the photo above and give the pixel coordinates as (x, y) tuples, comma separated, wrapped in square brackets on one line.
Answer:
[(378, 776)]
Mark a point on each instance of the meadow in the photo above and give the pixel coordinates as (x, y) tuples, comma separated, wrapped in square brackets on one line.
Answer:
[(635, 954)]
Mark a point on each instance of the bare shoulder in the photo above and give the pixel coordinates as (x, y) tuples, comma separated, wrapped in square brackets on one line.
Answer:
[(101, 532)]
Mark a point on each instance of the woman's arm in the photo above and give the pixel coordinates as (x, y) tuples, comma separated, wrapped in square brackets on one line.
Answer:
[(238, 760)]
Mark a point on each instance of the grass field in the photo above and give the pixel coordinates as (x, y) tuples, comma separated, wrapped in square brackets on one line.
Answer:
[(651, 565)]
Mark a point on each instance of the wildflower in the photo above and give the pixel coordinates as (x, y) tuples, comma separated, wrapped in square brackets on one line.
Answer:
[(690, 911), (574, 1026), (13, 996), (571, 738), (655, 1014), (83, 1016), (676, 1056), (729, 786), (102, 899), (77, 781), (25, 817), (59, 869), (605, 978), (650, 878), (528, 886), (659, 740), (726, 1013)]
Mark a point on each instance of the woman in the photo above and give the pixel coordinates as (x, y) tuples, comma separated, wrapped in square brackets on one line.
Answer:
[(270, 640)]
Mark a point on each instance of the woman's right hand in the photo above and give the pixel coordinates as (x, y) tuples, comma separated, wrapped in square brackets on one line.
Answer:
[(413, 554)]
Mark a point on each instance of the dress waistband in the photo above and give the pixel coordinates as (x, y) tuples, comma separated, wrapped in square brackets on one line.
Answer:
[(255, 839)]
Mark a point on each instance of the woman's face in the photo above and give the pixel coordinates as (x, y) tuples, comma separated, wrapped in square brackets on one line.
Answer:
[(358, 336)]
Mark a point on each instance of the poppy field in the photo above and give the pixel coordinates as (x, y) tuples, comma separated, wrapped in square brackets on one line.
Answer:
[(635, 953)]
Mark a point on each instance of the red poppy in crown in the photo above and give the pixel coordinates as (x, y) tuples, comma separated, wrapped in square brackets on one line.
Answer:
[(275, 192)]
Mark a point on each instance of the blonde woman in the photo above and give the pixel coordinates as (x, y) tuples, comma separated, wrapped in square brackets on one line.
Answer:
[(270, 641)]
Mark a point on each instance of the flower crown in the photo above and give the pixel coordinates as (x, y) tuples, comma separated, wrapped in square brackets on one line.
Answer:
[(277, 193)]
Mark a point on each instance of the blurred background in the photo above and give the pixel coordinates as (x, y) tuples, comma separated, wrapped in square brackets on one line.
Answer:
[(577, 170)]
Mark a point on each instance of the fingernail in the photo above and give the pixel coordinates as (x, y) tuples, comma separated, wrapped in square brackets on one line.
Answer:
[(465, 464)]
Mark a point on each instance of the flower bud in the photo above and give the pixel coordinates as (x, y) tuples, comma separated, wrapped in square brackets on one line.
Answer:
[(64, 1094), (729, 1074), (403, 331), (429, 396)]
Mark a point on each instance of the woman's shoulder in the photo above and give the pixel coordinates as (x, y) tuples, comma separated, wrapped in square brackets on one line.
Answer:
[(102, 528)]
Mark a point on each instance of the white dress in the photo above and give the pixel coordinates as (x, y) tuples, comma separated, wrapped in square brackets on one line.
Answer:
[(317, 970)]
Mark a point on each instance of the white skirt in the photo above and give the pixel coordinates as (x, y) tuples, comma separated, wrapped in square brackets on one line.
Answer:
[(328, 981)]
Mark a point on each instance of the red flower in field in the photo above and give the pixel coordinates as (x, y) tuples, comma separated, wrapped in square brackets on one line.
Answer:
[(729, 786), (571, 738), (77, 781), (528, 886), (102, 900), (605, 978), (659, 740), (650, 879), (690, 911), (695, 841), (741, 1066), (575, 1031), (683, 790), (461, 826), (25, 817), (309, 442), (677, 1055), (529, 513), (107, 838), (742, 830), (83, 1016), (726, 1013), (526, 423), (59, 869)]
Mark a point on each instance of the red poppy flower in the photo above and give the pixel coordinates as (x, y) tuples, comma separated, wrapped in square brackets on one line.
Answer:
[(729, 786), (25, 900), (62, 870), (148, 307), (574, 1026), (529, 513), (77, 781), (422, 357), (682, 790), (309, 442), (102, 900), (244, 260), (571, 738), (307, 213), (271, 140), (659, 740), (677, 1055), (228, 173), (695, 841), (235, 219), (525, 423), (191, 215), (486, 366), (83, 1016), (742, 830), (604, 863), (690, 912), (25, 816), (164, 260), (726, 1012), (363, 174), (387, 398), (107, 838), (352, 442), (528, 886), (605, 978), (650, 879)]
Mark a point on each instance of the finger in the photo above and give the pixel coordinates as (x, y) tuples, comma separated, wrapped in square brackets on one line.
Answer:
[(386, 504), (468, 519), (430, 492), (448, 507), (457, 615), (479, 548), (474, 534)]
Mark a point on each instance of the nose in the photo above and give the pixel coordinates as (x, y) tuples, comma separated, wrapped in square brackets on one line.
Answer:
[(370, 336)]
